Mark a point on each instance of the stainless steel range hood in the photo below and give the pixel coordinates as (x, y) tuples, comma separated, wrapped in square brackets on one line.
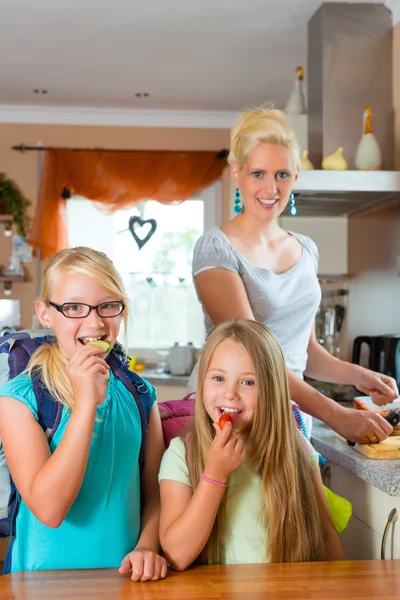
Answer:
[(349, 66), (339, 193)]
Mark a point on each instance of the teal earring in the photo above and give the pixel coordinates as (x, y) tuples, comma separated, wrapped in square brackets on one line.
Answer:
[(237, 208), (293, 209)]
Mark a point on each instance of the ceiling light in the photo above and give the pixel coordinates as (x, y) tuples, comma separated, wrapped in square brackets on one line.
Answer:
[(7, 228), (40, 91)]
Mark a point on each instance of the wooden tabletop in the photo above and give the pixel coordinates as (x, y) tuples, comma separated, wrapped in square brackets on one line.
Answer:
[(347, 580)]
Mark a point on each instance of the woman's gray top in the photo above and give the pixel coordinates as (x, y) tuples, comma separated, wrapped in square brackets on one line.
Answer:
[(286, 303)]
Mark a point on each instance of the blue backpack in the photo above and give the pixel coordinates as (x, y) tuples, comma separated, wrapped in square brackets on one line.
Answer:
[(15, 352)]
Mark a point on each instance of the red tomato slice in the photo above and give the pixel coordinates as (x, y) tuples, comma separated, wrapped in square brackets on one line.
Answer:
[(224, 419)]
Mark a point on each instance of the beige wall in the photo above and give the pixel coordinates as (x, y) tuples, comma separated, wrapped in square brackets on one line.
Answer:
[(374, 285), (23, 167), (396, 93), (374, 250)]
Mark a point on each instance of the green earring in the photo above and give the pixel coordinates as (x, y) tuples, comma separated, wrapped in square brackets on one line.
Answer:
[(237, 208), (293, 209)]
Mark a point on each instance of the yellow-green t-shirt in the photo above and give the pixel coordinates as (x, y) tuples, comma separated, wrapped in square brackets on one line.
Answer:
[(244, 538)]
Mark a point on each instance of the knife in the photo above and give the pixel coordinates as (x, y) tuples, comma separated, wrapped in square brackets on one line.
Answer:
[(393, 418)]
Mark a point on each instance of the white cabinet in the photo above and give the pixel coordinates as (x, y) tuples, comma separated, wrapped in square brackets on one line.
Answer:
[(362, 539)]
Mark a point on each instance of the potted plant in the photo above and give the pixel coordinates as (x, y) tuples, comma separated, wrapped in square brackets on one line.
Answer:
[(13, 202)]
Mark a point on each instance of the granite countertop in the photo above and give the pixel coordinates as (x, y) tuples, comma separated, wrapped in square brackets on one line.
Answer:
[(382, 474), (164, 378)]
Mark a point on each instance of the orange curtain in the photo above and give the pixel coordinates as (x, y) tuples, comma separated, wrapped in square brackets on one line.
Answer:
[(116, 179)]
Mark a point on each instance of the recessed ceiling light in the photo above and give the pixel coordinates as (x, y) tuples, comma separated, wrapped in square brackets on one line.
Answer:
[(142, 94), (40, 91)]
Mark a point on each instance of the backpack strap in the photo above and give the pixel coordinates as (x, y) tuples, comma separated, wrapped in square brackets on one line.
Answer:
[(20, 348), (139, 390)]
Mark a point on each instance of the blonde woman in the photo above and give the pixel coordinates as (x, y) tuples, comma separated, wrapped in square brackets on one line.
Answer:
[(251, 492), (252, 268), (80, 496)]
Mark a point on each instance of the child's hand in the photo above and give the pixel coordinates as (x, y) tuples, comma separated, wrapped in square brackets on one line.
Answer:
[(144, 564), (226, 454), (88, 374)]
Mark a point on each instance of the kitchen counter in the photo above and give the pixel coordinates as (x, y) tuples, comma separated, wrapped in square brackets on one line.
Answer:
[(381, 474)]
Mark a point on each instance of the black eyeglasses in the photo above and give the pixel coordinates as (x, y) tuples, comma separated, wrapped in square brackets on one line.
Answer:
[(77, 310)]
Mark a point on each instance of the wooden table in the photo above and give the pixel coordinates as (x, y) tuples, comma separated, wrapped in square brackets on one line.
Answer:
[(349, 580)]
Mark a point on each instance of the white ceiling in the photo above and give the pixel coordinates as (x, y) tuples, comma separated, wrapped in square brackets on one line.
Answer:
[(209, 55)]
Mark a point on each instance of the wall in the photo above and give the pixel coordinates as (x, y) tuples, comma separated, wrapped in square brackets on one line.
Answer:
[(374, 248), (23, 167), (330, 235), (396, 93)]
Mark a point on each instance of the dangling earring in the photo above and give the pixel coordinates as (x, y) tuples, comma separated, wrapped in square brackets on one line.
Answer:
[(237, 208), (293, 209)]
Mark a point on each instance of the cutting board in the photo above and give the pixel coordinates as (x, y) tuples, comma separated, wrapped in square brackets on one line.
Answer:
[(386, 450)]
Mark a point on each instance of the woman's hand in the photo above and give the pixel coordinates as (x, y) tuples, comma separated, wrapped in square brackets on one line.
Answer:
[(381, 388), (226, 454), (144, 564), (361, 426), (89, 375)]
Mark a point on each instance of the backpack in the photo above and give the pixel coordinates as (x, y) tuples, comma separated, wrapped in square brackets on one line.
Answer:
[(15, 352)]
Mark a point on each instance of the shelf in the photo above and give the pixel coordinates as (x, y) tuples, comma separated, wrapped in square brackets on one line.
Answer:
[(5, 218), (321, 193)]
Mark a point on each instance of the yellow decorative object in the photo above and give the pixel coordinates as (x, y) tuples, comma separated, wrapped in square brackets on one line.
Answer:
[(132, 363), (335, 161), (296, 104), (305, 162), (368, 154)]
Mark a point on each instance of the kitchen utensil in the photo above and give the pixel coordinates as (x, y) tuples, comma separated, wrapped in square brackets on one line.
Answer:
[(384, 353), (389, 449), (181, 359), (162, 361), (393, 418)]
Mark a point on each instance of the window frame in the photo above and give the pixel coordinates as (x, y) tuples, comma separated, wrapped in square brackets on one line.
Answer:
[(212, 198)]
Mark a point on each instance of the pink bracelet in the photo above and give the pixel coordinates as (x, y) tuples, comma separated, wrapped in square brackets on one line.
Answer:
[(224, 485)]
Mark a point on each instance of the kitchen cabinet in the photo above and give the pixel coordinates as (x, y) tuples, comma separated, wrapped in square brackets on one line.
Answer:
[(362, 539), (169, 392)]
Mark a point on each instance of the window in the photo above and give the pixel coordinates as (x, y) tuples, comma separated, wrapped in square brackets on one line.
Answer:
[(163, 304)]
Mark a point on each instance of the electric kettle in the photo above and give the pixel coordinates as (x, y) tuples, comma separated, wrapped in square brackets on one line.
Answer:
[(384, 354)]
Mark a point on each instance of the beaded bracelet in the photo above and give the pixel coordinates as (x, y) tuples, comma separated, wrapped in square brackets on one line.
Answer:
[(214, 482)]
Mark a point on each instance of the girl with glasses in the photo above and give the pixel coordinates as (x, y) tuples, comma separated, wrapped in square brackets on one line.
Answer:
[(80, 496)]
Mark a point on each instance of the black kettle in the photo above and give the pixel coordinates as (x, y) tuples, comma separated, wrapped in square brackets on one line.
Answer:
[(384, 354)]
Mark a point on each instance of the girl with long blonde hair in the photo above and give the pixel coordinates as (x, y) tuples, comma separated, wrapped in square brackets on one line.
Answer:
[(79, 494), (250, 492)]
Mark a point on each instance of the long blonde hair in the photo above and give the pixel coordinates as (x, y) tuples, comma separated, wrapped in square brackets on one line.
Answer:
[(259, 126), (274, 448), (47, 359)]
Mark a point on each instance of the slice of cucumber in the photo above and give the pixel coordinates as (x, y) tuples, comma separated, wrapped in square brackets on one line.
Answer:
[(105, 346)]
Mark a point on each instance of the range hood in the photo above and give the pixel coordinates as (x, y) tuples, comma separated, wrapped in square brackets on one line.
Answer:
[(339, 193), (349, 65)]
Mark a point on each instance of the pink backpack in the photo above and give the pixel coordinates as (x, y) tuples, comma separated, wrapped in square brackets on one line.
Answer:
[(178, 414)]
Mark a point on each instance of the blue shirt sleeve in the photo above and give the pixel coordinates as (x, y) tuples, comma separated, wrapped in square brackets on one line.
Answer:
[(20, 388), (152, 391)]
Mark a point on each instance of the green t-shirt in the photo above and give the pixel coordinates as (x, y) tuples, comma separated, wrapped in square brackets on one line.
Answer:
[(245, 533), (103, 524)]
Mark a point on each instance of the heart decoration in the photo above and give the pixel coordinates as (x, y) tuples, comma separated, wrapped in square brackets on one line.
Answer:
[(142, 241)]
